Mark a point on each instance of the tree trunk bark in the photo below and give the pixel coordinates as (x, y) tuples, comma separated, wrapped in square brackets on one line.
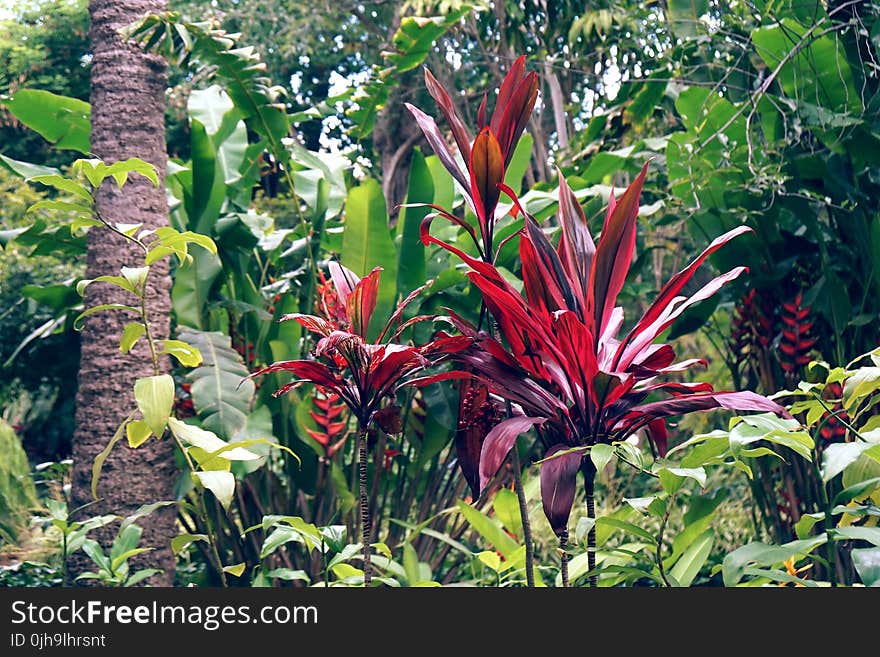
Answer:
[(128, 120)]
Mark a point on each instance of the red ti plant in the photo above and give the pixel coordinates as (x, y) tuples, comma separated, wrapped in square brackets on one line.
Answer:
[(487, 157), (563, 365), (479, 169), (364, 375)]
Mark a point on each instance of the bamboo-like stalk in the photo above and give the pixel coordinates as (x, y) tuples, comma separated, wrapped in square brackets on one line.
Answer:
[(563, 557), (365, 506)]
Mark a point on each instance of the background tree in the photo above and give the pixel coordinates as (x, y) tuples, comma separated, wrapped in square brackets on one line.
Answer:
[(128, 105)]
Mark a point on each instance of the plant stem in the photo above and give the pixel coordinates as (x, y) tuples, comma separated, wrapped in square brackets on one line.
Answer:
[(659, 550), (147, 333), (563, 557), (589, 472), (524, 516), (203, 513), (365, 505)]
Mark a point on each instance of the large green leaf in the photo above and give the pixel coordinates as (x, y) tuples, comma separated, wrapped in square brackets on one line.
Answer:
[(63, 121), (208, 188), (192, 287), (411, 270), (367, 244), (213, 108), (490, 529), (867, 565), (734, 565), (220, 394), (689, 564), (818, 71)]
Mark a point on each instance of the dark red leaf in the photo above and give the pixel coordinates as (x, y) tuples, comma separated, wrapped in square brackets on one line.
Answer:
[(659, 436), (444, 102), (310, 323), (499, 442), (389, 419), (576, 248), (438, 143), (558, 482), (614, 254), (675, 284), (362, 302), (516, 115)]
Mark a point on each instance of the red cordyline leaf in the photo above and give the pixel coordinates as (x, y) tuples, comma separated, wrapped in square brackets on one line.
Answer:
[(558, 485), (486, 159), (563, 366)]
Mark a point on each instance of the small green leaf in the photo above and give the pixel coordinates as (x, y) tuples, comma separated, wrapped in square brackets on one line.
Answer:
[(601, 455), (236, 570), (101, 457), (137, 432), (208, 441), (77, 323), (155, 399), (490, 559), (861, 489), (136, 277), (805, 525), (222, 484), (130, 335), (186, 354)]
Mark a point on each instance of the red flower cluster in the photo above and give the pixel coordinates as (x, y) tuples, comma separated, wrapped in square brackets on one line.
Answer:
[(796, 342)]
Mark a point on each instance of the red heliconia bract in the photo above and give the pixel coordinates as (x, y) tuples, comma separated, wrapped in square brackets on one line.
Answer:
[(563, 366), (796, 342)]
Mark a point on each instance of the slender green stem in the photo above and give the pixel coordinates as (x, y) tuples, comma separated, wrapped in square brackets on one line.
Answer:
[(524, 516), (147, 333), (659, 551), (365, 506), (202, 510)]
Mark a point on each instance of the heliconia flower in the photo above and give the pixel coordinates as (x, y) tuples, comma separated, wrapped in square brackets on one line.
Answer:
[(796, 342), (752, 326), (564, 368), (833, 427), (329, 416), (484, 160)]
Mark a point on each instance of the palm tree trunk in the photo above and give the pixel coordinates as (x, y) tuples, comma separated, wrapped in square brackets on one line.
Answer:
[(128, 120)]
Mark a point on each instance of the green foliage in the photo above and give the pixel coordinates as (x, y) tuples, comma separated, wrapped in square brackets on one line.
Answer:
[(18, 497)]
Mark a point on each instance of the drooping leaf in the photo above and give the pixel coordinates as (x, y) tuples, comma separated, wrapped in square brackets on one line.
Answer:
[(558, 484), (63, 121)]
